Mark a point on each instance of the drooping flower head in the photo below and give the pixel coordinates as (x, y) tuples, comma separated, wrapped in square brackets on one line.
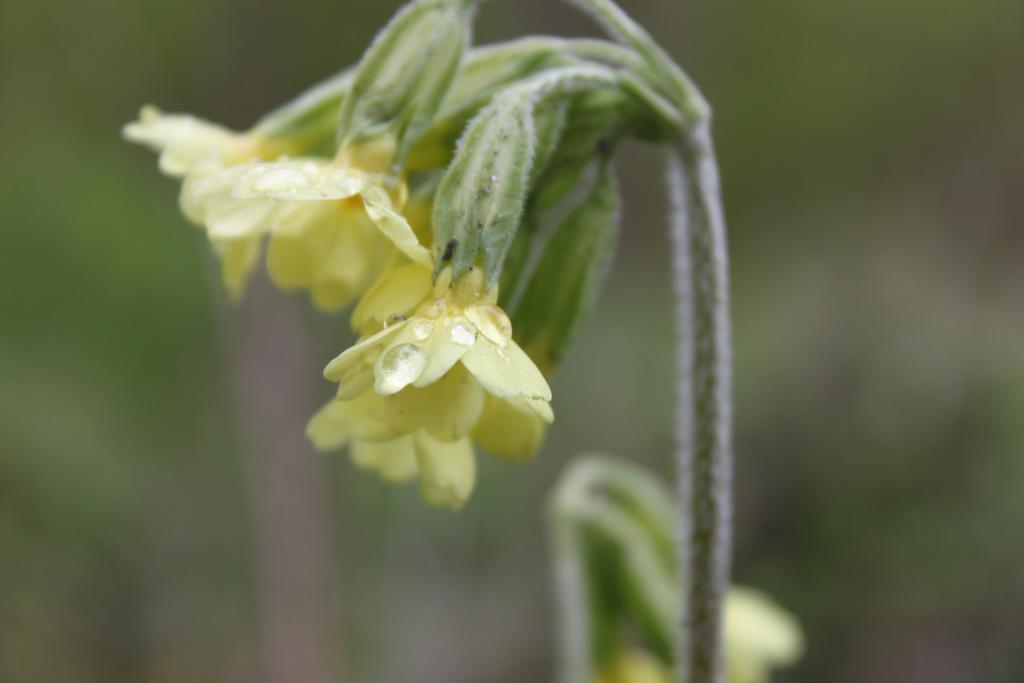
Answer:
[(441, 372), (331, 222)]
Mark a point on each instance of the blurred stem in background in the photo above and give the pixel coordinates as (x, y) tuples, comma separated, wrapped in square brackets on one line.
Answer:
[(271, 381)]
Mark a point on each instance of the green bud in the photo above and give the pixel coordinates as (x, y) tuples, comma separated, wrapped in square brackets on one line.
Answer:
[(567, 281), (612, 527), (405, 74), (613, 537), (480, 200)]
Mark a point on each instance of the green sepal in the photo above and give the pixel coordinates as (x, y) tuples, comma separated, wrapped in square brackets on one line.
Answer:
[(405, 74), (517, 260), (480, 200), (567, 281)]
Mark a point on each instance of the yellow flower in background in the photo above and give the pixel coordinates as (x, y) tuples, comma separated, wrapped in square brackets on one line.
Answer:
[(634, 666), (759, 636), (442, 371)]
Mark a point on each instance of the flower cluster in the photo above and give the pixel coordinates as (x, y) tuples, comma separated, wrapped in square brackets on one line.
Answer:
[(412, 187), (436, 367)]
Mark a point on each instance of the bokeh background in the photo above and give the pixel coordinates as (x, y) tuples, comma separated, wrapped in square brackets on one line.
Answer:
[(161, 520)]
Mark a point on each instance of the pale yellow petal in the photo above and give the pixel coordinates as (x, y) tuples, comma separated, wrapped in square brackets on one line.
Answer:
[(509, 431), (182, 140), (506, 372), (370, 417), (203, 186), (361, 355), (297, 180), (289, 261), (447, 470), (759, 636), (445, 347), (356, 380), (291, 254), (539, 407), (396, 293), (492, 322), (238, 259), (349, 252), (393, 224), (394, 460), (329, 427), (448, 408), (231, 218)]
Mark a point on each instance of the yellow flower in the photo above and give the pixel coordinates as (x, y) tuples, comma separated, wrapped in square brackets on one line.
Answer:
[(759, 636), (331, 226), (442, 371), (634, 666), (331, 222)]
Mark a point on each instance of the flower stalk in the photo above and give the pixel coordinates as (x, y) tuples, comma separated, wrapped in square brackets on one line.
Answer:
[(704, 356), (704, 410)]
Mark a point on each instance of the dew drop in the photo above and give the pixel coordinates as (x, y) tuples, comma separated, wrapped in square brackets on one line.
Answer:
[(463, 334), (422, 329), (401, 365), (492, 323), (280, 180)]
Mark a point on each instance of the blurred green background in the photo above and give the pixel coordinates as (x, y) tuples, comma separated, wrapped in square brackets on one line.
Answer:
[(153, 529)]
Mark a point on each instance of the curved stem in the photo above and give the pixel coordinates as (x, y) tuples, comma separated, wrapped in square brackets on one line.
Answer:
[(704, 458)]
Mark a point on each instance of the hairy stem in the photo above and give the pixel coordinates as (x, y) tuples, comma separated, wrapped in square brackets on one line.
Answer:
[(704, 458)]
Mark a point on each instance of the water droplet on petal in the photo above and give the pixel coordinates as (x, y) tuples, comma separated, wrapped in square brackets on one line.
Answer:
[(401, 366), (492, 323), (422, 329), (280, 180), (463, 334)]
